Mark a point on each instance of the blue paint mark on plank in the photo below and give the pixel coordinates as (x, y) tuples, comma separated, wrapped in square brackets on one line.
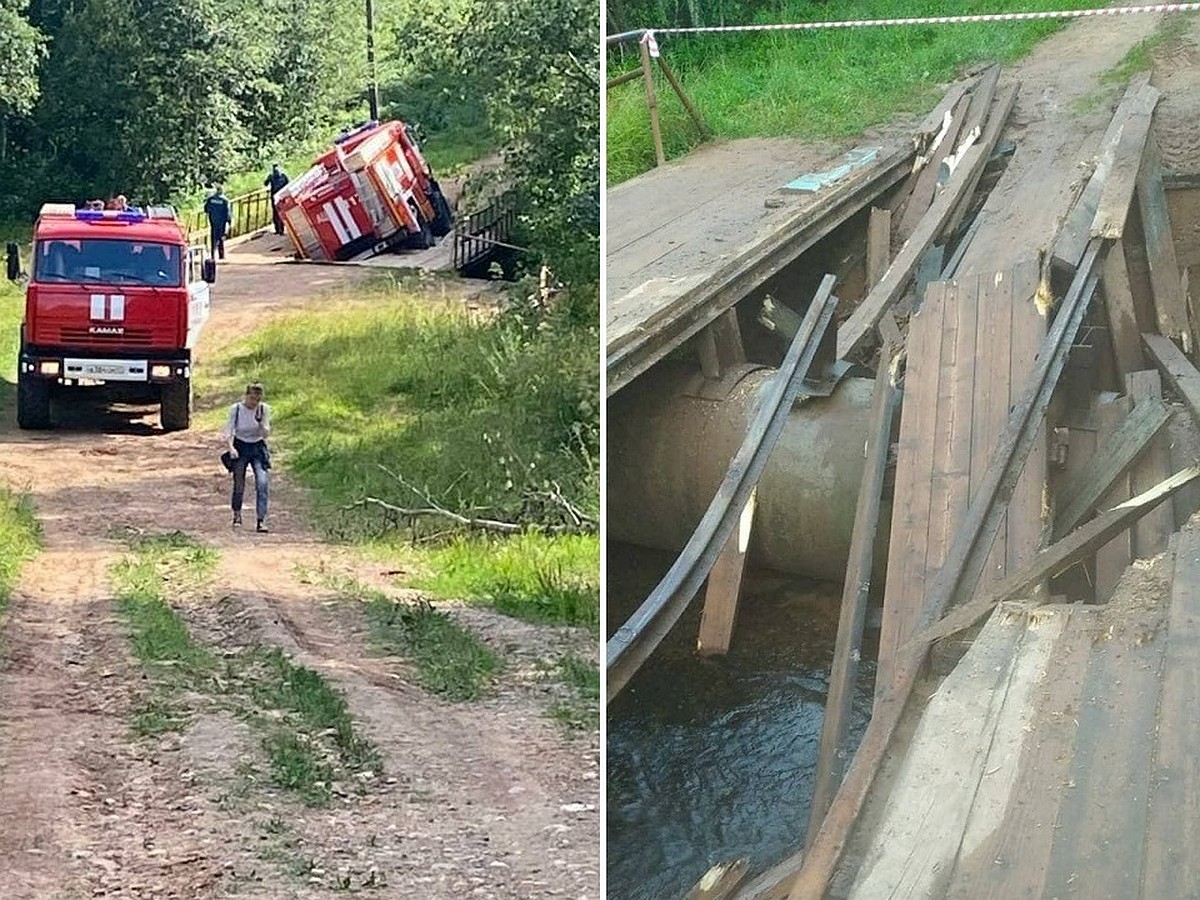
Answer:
[(814, 181)]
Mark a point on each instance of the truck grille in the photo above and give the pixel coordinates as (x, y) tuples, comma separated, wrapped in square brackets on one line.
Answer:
[(133, 337)]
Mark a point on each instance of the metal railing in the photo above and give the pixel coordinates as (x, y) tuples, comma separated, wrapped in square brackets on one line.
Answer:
[(480, 235), (248, 213)]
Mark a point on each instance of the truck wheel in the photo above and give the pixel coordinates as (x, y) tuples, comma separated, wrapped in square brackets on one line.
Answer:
[(424, 238), (443, 222), (33, 402), (176, 412)]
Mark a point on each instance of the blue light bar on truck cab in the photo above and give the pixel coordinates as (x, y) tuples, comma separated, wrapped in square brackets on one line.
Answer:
[(96, 215)]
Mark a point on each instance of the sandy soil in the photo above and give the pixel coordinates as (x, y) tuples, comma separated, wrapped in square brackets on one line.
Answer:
[(488, 799)]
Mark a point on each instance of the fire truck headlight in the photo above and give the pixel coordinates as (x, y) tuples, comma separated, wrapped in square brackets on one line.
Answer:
[(49, 367), (160, 371)]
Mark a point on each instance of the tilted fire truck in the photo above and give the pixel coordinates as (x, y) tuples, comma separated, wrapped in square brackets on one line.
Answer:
[(372, 192), (115, 301)]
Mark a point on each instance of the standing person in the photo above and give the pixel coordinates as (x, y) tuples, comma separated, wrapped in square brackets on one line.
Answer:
[(217, 209), (276, 181), (247, 431)]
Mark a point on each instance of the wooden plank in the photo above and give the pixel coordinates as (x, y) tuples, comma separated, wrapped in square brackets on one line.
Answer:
[(843, 675), (923, 190), (879, 244), (1079, 497), (701, 128), (1001, 108), (725, 587), (1180, 374), (1151, 533), (991, 412), (914, 476), (1101, 827), (981, 106), (1114, 557), (1012, 859), (856, 330), (720, 881), (1117, 192), (688, 305), (929, 269), (1059, 556), (1122, 318), (1172, 868), (1072, 238), (1165, 277), (652, 103)]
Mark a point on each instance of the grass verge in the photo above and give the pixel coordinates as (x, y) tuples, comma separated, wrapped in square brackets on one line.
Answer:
[(20, 538), (484, 414), (581, 709), (304, 724), (819, 85)]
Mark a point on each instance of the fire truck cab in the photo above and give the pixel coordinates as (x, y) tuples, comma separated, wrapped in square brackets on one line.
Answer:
[(115, 301)]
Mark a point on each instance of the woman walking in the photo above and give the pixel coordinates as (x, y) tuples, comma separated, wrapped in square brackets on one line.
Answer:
[(247, 430)]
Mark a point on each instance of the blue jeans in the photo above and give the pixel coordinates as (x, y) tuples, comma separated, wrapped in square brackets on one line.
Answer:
[(261, 482)]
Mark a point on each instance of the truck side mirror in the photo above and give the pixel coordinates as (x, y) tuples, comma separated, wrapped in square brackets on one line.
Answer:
[(14, 262), (208, 271)]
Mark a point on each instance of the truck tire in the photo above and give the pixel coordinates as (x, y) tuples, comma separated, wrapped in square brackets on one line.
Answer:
[(443, 221), (33, 402), (176, 410)]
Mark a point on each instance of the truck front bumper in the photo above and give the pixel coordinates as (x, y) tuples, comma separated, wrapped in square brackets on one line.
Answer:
[(71, 368)]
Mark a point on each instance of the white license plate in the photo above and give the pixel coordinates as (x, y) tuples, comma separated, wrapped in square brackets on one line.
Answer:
[(105, 369)]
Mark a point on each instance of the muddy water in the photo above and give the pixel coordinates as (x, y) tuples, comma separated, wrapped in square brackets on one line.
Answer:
[(713, 760)]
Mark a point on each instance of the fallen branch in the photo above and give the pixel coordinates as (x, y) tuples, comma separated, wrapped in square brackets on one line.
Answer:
[(476, 524)]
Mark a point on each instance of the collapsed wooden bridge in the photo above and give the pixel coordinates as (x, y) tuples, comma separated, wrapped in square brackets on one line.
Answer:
[(1021, 743)]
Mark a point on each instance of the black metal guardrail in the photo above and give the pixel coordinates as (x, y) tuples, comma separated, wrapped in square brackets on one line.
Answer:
[(479, 237), (248, 213)]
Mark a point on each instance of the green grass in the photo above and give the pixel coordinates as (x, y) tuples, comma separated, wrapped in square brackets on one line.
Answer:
[(582, 680), (20, 539), (486, 417), (817, 85), (531, 577), (1140, 57), (450, 660), (454, 148)]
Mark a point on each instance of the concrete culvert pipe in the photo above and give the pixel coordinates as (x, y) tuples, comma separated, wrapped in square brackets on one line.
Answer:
[(669, 449)]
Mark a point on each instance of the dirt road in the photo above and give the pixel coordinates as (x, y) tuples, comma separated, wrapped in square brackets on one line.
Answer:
[(489, 799)]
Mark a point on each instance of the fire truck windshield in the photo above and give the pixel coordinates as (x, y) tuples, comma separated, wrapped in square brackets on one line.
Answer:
[(108, 261)]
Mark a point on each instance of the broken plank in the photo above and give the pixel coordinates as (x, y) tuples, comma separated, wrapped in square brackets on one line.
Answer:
[(1114, 557), (1072, 238), (1111, 460), (857, 330), (1122, 318), (1117, 192), (1171, 866), (725, 587), (981, 105), (1058, 556), (1001, 109), (879, 244), (1175, 368), (856, 591), (1151, 533), (1165, 278), (720, 881), (927, 182)]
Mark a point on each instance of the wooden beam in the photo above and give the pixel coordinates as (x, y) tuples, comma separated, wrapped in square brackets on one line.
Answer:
[(927, 180), (652, 103), (720, 881), (856, 591), (701, 128), (1073, 236), (857, 329), (879, 244), (1152, 532), (1126, 158), (1002, 107), (1060, 556), (1165, 277), (725, 587), (1180, 374), (1122, 318), (623, 78), (1113, 558), (981, 105), (1110, 462)]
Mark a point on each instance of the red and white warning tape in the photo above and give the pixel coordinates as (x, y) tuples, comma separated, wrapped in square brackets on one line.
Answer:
[(920, 20)]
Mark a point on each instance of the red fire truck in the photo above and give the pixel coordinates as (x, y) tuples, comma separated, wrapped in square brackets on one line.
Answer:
[(372, 192), (115, 301)]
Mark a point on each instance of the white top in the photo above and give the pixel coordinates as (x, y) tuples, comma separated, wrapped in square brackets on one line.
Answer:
[(247, 424)]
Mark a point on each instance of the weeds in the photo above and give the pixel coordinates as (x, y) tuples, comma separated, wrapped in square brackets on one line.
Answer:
[(20, 539), (581, 678)]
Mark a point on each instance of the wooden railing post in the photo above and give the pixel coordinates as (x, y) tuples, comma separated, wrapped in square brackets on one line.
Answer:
[(652, 102)]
